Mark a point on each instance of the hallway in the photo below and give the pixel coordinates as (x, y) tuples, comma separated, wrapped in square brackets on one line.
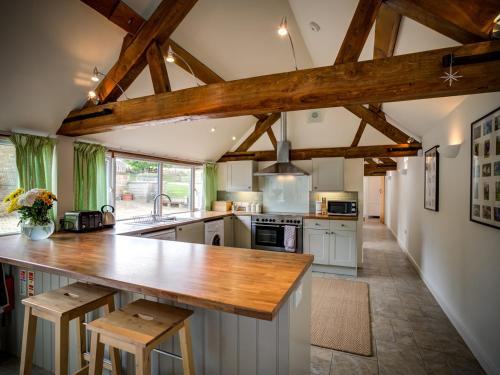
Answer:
[(411, 333)]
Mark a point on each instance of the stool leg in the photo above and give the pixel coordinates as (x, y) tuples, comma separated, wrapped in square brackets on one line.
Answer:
[(186, 349), (113, 352), (142, 362), (61, 347), (81, 341), (96, 354), (29, 333)]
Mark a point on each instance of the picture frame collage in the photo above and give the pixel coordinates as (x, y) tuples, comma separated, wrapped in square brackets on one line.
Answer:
[(485, 170)]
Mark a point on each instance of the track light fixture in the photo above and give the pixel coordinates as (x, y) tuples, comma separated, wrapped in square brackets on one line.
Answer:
[(95, 78), (283, 31), (171, 58)]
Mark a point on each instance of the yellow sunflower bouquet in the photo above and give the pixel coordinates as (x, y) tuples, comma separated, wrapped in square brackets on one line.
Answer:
[(32, 205)]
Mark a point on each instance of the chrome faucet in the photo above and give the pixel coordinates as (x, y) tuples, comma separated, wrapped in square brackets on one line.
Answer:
[(155, 205)]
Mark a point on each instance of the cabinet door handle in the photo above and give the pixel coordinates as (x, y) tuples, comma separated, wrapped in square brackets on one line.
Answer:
[(317, 224), (327, 232), (180, 229)]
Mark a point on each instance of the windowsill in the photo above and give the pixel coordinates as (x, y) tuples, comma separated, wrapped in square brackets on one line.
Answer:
[(9, 234)]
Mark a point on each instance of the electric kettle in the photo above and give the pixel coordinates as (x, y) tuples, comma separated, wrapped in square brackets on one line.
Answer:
[(108, 217)]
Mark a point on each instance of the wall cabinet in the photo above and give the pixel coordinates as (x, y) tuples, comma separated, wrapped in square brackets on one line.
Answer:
[(229, 231), (242, 231), (239, 176), (331, 242), (222, 176), (192, 233), (328, 174)]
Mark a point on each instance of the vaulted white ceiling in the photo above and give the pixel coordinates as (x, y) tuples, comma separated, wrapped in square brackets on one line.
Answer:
[(52, 46)]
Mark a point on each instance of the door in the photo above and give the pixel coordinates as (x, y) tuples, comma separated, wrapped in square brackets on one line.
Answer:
[(343, 248), (192, 233), (373, 192), (317, 243), (242, 232)]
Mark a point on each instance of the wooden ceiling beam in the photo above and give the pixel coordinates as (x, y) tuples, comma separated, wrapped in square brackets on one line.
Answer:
[(378, 169), (379, 123), (466, 21), (386, 32), (359, 28), (272, 138), (157, 69), (261, 127), (119, 13), (159, 27), (398, 78), (346, 152)]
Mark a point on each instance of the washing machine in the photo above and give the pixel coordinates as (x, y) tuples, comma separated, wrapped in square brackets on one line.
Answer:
[(214, 232)]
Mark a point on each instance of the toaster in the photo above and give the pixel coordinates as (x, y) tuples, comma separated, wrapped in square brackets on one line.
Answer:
[(82, 221)]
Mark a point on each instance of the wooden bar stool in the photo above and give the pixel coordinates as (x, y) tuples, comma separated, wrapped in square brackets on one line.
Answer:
[(138, 328), (60, 306)]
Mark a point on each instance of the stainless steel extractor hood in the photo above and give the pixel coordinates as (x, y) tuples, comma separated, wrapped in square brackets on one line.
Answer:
[(282, 165)]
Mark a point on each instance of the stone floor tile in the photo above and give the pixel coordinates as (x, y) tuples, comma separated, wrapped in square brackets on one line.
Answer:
[(346, 364), (321, 360), (438, 363), (399, 358)]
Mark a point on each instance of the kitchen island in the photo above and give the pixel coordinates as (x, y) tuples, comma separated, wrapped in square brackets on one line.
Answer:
[(252, 308)]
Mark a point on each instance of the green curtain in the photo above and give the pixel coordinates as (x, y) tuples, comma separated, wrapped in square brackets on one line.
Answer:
[(209, 185), (89, 176), (34, 158)]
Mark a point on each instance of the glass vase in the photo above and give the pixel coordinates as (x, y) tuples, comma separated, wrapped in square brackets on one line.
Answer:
[(37, 232)]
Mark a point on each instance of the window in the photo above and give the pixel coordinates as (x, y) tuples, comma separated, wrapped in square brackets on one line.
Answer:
[(134, 183), (8, 183)]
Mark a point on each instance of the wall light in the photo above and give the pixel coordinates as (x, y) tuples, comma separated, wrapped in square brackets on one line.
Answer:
[(283, 31), (449, 151), (95, 77), (171, 58)]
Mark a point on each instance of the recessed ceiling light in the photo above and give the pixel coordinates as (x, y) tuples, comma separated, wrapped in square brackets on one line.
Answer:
[(212, 130), (234, 138), (314, 26)]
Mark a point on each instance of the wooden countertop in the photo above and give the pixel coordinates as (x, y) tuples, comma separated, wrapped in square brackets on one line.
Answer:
[(330, 217), (247, 282)]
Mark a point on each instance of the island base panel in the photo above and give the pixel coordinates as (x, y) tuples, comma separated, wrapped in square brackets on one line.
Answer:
[(223, 343)]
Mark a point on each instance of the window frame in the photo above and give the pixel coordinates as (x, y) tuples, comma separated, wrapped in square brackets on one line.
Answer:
[(111, 189), (4, 139)]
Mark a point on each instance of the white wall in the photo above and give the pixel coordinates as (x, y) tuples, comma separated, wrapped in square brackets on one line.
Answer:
[(459, 260)]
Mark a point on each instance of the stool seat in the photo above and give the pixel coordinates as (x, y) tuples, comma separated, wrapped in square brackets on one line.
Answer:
[(70, 300), (140, 322), (138, 328)]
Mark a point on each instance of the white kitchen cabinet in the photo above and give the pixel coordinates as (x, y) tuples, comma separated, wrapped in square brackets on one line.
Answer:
[(222, 176), (240, 176), (193, 233), (242, 231), (332, 242), (317, 243), (229, 231), (343, 248), (328, 174)]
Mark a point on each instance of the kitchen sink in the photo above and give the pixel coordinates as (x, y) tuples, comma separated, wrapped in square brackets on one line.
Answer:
[(149, 220)]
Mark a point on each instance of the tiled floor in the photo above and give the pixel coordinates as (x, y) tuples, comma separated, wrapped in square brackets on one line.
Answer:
[(10, 366), (411, 334)]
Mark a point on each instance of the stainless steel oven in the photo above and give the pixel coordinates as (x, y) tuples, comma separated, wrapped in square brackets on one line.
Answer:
[(268, 232)]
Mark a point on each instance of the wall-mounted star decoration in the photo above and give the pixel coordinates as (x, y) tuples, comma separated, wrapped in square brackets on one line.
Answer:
[(451, 76)]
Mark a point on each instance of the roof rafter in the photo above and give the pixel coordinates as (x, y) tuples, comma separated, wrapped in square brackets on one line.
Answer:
[(131, 62), (466, 21)]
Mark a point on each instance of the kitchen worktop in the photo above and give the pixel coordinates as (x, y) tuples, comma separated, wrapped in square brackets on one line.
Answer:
[(247, 282)]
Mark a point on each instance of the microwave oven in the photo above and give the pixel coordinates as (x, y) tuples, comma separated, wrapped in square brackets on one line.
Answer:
[(346, 208)]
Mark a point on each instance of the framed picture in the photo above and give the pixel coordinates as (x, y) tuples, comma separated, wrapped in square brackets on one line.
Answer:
[(485, 170), (431, 184)]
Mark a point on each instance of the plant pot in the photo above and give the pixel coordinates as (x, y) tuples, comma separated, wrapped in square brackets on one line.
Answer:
[(37, 232)]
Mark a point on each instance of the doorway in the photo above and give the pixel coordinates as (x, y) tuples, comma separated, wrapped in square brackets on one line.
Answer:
[(374, 197)]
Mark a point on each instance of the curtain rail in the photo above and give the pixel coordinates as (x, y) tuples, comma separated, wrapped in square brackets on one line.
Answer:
[(127, 154)]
